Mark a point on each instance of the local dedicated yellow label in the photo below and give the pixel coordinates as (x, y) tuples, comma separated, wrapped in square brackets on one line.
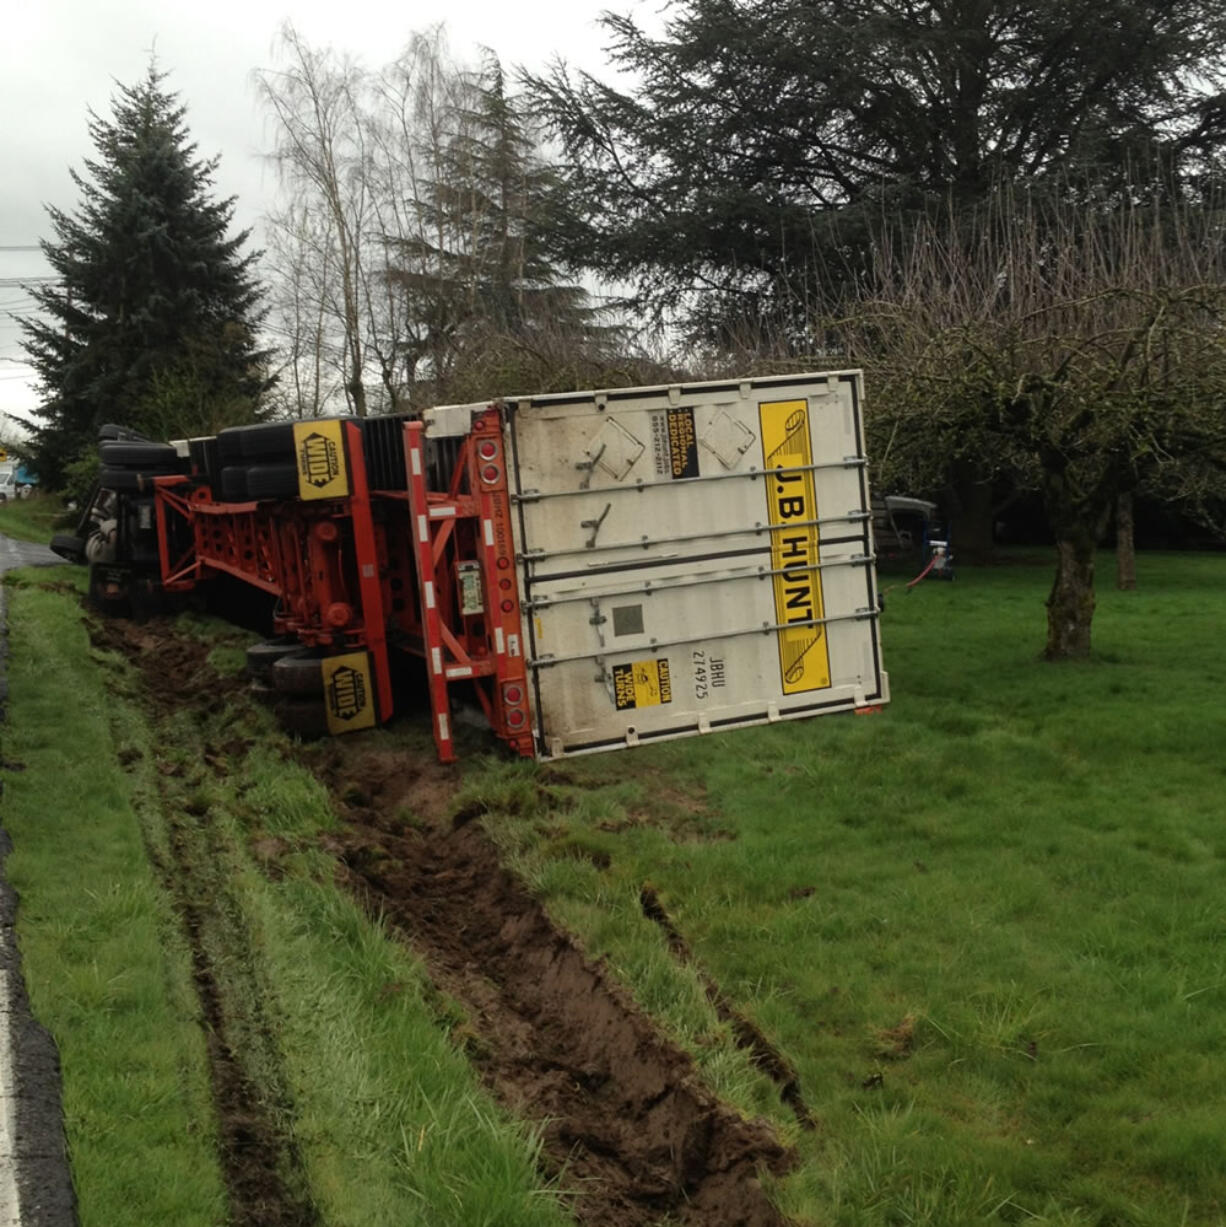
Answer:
[(791, 504), (349, 694), (319, 449), (645, 683)]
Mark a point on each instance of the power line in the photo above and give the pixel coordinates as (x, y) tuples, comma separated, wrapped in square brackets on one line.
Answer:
[(36, 247)]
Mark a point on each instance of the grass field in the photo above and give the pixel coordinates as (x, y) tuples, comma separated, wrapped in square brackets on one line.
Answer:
[(107, 967), (31, 519), (986, 927), (133, 855)]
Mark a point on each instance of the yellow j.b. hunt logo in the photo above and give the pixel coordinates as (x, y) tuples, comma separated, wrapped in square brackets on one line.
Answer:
[(791, 504), (348, 694), (320, 454)]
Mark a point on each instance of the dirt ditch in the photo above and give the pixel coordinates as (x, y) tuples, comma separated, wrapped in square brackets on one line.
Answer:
[(627, 1125), (263, 1172)]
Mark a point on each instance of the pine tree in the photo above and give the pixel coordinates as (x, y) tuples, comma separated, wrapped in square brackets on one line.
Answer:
[(152, 322)]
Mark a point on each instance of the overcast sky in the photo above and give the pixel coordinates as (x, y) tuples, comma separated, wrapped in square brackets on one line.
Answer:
[(61, 58)]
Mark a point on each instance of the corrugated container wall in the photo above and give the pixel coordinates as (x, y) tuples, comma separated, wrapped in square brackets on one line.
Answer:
[(693, 558)]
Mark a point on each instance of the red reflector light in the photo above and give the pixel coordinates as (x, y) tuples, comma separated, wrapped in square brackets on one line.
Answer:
[(505, 585), (515, 719), (491, 473), (513, 695), (487, 449), (507, 606)]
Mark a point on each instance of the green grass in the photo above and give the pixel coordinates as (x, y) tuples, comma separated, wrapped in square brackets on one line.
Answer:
[(331, 1019), (1017, 864), (106, 967), (32, 519), (986, 927)]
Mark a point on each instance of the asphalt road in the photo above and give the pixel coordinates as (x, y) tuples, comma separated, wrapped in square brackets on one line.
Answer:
[(35, 1184)]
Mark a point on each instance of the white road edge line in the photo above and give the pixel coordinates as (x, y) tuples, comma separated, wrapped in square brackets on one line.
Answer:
[(10, 1201)]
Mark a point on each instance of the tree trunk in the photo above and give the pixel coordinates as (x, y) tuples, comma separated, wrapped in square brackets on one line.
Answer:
[(1125, 545), (1070, 607)]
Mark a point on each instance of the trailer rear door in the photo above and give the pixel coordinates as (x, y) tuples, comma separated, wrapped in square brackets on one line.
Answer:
[(694, 558)]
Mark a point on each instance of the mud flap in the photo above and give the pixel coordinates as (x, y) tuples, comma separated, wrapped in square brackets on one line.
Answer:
[(349, 692), (319, 451)]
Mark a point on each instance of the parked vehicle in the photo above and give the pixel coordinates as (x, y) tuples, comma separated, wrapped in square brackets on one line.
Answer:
[(15, 483), (600, 569)]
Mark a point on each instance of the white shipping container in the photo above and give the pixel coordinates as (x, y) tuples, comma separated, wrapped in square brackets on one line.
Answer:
[(692, 558)]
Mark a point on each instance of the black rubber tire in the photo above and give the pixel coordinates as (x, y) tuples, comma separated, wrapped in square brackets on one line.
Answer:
[(127, 481), (234, 484), (264, 441), (262, 656), (267, 440), (109, 432), (305, 718), (229, 445), (69, 546), (298, 673), (272, 481), (159, 457)]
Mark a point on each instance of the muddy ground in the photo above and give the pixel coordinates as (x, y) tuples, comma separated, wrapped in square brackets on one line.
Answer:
[(625, 1119)]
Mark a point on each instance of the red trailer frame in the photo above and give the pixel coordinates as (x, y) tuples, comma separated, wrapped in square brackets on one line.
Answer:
[(430, 572)]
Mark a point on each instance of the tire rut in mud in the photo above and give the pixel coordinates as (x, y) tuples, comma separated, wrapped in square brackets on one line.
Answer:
[(263, 1173), (626, 1122), (629, 1130), (749, 1037)]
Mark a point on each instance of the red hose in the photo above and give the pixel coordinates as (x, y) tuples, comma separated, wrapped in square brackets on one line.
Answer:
[(931, 564)]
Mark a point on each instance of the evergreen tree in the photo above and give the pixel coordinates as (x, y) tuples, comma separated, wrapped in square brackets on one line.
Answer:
[(761, 140), (152, 323)]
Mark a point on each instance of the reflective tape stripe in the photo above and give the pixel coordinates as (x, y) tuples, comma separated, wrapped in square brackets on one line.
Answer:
[(429, 594), (489, 532), (436, 660)]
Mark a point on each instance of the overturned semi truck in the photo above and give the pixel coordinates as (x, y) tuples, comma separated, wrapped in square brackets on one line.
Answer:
[(597, 569)]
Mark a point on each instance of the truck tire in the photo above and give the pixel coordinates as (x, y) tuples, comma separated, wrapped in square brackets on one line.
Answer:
[(262, 656), (298, 673), (229, 447), (268, 440), (68, 546), (272, 481), (127, 481), (109, 431), (264, 441), (145, 457), (234, 484)]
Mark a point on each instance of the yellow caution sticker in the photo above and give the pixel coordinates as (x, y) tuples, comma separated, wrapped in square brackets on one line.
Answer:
[(349, 693), (319, 449), (791, 504), (645, 683)]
